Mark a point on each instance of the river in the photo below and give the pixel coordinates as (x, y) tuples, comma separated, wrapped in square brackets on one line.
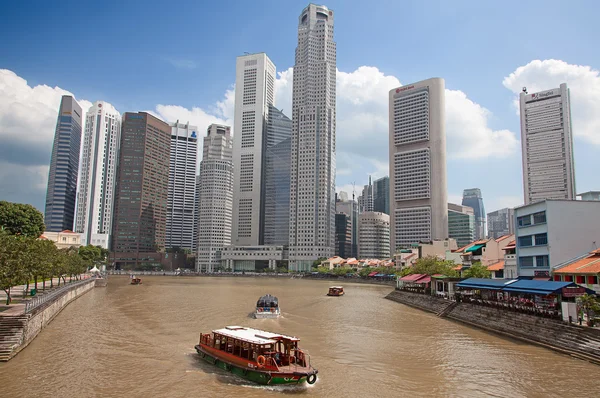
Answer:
[(138, 341)]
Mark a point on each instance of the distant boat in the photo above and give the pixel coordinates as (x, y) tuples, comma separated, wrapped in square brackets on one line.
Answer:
[(136, 281), (336, 291), (267, 307), (261, 357)]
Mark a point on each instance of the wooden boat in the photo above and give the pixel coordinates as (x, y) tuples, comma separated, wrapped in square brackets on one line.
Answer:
[(136, 281), (261, 357), (336, 291), (267, 307)]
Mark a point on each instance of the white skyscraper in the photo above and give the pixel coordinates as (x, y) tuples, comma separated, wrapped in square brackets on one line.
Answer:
[(312, 196), (181, 199), (216, 197), (96, 194), (547, 144), (418, 193), (254, 92)]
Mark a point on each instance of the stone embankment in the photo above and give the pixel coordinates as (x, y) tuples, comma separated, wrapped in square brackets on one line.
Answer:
[(18, 330), (577, 341)]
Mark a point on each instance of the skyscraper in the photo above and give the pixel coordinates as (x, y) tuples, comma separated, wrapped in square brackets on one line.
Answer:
[(181, 199), (275, 225), (461, 224), (419, 205), (64, 166), (366, 200), (142, 186), (216, 197), (501, 222), (98, 175), (350, 208), (547, 145), (254, 93), (343, 235), (312, 195), (381, 195), (373, 235), (473, 199)]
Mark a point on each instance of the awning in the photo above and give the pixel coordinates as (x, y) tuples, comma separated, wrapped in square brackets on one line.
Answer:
[(373, 273), (526, 286), (412, 277), (473, 248), (484, 283)]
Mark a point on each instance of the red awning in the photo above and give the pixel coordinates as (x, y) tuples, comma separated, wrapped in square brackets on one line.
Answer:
[(373, 273), (413, 277), (427, 279)]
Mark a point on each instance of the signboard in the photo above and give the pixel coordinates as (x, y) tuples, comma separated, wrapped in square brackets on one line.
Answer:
[(541, 274), (542, 95), (404, 88), (573, 291)]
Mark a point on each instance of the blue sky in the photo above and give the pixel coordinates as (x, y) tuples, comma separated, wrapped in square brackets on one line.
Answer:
[(149, 55)]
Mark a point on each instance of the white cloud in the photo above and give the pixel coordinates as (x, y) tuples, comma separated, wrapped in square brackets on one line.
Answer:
[(182, 63), (584, 85), (454, 198)]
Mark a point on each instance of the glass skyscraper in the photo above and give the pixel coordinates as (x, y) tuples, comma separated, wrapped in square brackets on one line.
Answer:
[(381, 194), (64, 166), (473, 199)]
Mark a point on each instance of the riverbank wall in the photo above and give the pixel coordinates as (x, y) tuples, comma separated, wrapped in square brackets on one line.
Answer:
[(578, 341), (17, 331)]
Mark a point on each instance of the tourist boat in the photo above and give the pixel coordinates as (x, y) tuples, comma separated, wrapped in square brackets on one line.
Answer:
[(261, 357), (136, 281), (336, 291), (267, 307)]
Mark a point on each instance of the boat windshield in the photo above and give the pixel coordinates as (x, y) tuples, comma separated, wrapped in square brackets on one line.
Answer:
[(267, 301)]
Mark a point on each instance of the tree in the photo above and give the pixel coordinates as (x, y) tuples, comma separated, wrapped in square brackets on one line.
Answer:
[(11, 271), (432, 265), (477, 271), (317, 263), (21, 219), (590, 306)]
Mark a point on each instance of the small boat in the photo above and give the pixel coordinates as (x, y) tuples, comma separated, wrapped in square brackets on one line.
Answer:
[(255, 355), (136, 281), (267, 307), (336, 291)]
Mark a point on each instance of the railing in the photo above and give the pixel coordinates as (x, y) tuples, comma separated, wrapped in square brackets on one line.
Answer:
[(40, 300)]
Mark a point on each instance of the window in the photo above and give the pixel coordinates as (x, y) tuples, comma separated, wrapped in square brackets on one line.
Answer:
[(539, 218), (524, 221), (592, 280), (541, 239), (541, 261), (526, 261), (580, 279), (525, 241)]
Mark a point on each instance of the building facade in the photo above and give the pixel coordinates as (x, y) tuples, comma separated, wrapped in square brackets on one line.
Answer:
[(141, 194), (461, 224), (254, 93), (61, 193), (64, 239), (473, 199), (252, 258), (381, 194), (343, 235), (350, 207), (366, 199), (374, 235), (418, 197), (216, 198), (552, 232), (98, 175), (181, 197), (501, 222), (547, 145), (591, 195)]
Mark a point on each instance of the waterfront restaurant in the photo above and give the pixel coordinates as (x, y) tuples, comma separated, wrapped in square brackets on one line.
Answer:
[(416, 283), (443, 286)]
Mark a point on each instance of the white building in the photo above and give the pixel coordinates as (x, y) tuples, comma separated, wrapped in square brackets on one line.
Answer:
[(181, 197), (312, 196), (547, 145), (216, 197), (552, 232), (374, 235), (252, 258), (418, 192), (254, 92), (99, 158)]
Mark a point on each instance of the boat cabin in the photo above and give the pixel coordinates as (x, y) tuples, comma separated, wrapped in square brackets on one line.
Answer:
[(336, 291), (136, 281), (267, 302)]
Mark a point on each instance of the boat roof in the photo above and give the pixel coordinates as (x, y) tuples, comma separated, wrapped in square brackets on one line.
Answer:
[(336, 287), (253, 336)]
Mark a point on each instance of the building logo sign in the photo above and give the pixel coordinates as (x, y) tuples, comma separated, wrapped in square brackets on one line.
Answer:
[(404, 88), (193, 134), (542, 95)]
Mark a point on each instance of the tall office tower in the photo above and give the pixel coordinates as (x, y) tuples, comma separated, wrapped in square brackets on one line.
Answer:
[(312, 196), (64, 166), (254, 93), (461, 224), (216, 197), (374, 235), (181, 198), (473, 199), (197, 214), (366, 200), (142, 186), (547, 144), (343, 235), (501, 222), (418, 197), (275, 225), (381, 195), (350, 207), (97, 179)]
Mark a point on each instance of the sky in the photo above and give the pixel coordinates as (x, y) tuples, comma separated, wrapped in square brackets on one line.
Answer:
[(177, 60)]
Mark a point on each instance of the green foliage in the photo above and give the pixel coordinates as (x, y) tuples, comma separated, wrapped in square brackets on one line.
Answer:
[(477, 271), (282, 270), (380, 270), (317, 263), (21, 219), (342, 271), (590, 306), (432, 265)]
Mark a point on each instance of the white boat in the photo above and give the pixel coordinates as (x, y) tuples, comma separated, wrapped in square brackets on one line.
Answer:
[(267, 307)]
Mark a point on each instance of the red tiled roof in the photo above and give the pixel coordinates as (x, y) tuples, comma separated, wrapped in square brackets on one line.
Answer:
[(497, 266), (67, 231), (503, 237), (511, 245), (477, 242), (587, 265)]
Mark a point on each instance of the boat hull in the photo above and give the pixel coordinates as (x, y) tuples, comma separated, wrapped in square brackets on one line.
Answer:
[(266, 315), (335, 295), (266, 378)]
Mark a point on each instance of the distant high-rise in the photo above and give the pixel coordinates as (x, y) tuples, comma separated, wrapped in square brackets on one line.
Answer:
[(64, 166), (216, 197), (343, 235), (366, 200), (501, 222), (381, 195), (312, 195), (461, 224), (275, 225), (418, 197), (254, 93), (350, 208), (373, 235), (547, 145), (473, 199), (181, 199), (98, 175), (142, 186)]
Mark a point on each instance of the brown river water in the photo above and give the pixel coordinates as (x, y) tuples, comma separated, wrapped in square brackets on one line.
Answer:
[(138, 341)]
